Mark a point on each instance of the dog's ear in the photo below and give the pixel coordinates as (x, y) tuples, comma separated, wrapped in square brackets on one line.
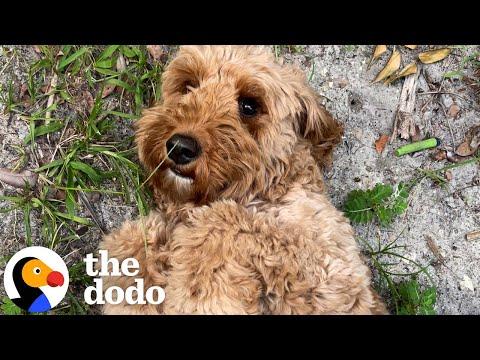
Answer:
[(314, 123)]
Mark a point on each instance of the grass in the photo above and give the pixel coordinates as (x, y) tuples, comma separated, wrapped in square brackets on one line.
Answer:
[(78, 119), (406, 297)]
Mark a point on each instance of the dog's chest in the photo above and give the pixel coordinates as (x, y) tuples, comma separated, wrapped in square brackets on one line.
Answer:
[(298, 208)]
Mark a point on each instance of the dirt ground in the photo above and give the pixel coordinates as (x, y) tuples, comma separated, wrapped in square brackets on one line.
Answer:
[(367, 111)]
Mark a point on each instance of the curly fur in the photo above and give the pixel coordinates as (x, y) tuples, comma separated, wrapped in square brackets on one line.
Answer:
[(247, 229)]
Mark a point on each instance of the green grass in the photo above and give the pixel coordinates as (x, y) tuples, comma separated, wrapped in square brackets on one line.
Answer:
[(88, 156)]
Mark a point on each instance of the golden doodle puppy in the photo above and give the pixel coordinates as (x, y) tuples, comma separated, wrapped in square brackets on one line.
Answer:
[(243, 225)]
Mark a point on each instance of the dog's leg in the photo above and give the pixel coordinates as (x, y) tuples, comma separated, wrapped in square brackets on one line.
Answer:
[(143, 240)]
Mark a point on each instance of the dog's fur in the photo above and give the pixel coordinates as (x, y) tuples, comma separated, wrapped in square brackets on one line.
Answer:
[(250, 231)]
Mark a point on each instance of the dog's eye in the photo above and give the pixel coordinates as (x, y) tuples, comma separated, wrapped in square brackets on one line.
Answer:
[(188, 86), (248, 107)]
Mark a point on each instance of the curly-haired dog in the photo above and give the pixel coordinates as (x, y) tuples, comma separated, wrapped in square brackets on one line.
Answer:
[(243, 225)]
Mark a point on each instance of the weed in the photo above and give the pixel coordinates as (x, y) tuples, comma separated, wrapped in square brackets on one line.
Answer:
[(382, 202), (86, 154)]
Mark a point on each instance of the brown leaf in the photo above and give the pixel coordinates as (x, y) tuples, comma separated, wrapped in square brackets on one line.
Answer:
[(18, 180), (107, 90), (380, 143), (471, 142), (377, 53), (392, 65), (453, 110), (439, 155), (407, 70), (37, 49), (411, 47), (448, 175), (89, 100), (432, 56), (155, 51)]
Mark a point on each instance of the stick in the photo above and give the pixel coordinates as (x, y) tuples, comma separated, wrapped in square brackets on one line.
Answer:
[(404, 124), (51, 97)]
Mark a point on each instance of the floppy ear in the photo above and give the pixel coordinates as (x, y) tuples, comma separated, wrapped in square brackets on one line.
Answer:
[(315, 124)]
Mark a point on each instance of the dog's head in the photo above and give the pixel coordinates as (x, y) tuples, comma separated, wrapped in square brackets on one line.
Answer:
[(228, 124)]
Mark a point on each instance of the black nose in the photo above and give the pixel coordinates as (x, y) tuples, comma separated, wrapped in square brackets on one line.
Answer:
[(186, 149)]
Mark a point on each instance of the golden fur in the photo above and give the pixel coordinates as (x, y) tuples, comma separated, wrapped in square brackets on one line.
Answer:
[(250, 230)]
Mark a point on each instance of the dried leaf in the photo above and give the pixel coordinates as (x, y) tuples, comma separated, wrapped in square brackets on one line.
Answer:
[(89, 100), (37, 49), (18, 180), (107, 90), (379, 51), (411, 47), (432, 56), (407, 70), (453, 110), (471, 142), (392, 65), (448, 175), (467, 283), (121, 65), (156, 51), (380, 143), (439, 155)]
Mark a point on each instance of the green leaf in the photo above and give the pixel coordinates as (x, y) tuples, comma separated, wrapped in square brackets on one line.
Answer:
[(454, 75), (127, 51), (9, 308), (122, 84), (384, 215), (105, 64), (54, 163), (70, 202), (358, 207), (87, 170), (108, 52), (123, 115), (66, 61), (380, 193), (43, 130), (26, 221), (77, 219), (107, 72)]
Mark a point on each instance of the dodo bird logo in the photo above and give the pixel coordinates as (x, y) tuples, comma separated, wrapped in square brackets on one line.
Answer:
[(36, 279)]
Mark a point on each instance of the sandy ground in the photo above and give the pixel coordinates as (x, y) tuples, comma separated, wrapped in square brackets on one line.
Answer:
[(367, 111)]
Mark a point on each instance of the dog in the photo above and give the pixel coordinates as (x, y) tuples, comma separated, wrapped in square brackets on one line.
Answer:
[(243, 226)]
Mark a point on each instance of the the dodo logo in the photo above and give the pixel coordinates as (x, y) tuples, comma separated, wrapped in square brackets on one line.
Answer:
[(36, 279)]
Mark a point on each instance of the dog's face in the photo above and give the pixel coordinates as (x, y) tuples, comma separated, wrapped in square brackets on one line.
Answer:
[(228, 124)]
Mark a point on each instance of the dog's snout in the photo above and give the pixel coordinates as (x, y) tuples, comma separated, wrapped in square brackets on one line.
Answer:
[(183, 149)]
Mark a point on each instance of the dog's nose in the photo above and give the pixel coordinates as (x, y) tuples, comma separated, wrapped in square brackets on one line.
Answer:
[(182, 149)]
